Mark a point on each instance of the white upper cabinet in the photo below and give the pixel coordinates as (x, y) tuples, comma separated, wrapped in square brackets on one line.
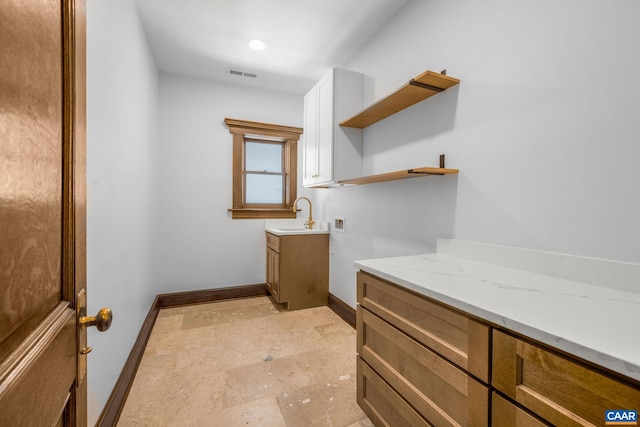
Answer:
[(332, 153)]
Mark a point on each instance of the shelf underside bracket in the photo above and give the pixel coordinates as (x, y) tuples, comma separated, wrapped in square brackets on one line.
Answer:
[(411, 171), (441, 166), (412, 82)]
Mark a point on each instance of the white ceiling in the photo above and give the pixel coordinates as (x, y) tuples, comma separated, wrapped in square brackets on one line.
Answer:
[(204, 38)]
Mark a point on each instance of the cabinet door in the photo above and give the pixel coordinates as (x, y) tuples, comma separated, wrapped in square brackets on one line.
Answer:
[(558, 389), (332, 153), (324, 130), (310, 138), (273, 273)]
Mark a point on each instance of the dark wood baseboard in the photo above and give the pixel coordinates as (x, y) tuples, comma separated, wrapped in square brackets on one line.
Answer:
[(210, 295), (342, 309), (115, 403)]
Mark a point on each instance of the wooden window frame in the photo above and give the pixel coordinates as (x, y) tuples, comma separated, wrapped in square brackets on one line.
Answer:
[(242, 130)]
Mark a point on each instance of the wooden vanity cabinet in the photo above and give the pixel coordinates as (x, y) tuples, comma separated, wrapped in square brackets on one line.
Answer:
[(422, 351), (298, 269)]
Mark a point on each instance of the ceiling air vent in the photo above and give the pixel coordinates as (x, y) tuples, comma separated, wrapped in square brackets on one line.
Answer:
[(241, 73)]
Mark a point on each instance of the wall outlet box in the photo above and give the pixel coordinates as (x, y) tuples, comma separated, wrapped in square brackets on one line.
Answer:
[(339, 224)]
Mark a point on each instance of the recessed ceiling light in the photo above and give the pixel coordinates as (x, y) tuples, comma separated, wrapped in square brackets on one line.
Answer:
[(257, 44)]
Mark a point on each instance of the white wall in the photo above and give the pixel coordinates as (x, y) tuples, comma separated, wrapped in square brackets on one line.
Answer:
[(122, 121), (199, 245), (544, 128)]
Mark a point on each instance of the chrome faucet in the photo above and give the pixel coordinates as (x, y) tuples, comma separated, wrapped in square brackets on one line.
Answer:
[(310, 221)]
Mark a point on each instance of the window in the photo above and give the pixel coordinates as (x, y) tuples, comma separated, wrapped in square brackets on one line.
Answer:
[(264, 175), (264, 169)]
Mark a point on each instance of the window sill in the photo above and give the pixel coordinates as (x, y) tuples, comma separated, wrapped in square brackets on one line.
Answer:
[(249, 213)]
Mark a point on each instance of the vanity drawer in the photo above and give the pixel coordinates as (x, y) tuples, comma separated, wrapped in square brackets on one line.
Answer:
[(506, 414), (442, 393), (381, 403), (453, 335), (273, 242), (560, 390)]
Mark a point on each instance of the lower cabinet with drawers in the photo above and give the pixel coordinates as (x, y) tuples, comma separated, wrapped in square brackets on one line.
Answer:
[(422, 363), (432, 362)]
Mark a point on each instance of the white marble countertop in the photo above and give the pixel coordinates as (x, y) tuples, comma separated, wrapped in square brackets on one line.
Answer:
[(286, 227), (596, 323)]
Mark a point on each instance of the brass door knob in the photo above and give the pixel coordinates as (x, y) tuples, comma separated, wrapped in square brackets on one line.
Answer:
[(102, 320)]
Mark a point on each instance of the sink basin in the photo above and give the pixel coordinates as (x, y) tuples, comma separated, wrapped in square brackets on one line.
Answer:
[(281, 228), (288, 230)]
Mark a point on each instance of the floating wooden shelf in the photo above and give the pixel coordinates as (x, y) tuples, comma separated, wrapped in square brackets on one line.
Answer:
[(403, 174), (422, 87)]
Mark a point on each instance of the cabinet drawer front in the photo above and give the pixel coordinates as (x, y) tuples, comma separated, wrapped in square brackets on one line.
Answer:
[(381, 403), (506, 414), (558, 389), (463, 341), (273, 242), (442, 393)]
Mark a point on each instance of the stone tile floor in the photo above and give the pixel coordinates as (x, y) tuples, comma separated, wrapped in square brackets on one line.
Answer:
[(246, 362)]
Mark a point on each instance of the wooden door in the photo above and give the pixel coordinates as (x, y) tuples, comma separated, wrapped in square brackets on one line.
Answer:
[(42, 212)]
